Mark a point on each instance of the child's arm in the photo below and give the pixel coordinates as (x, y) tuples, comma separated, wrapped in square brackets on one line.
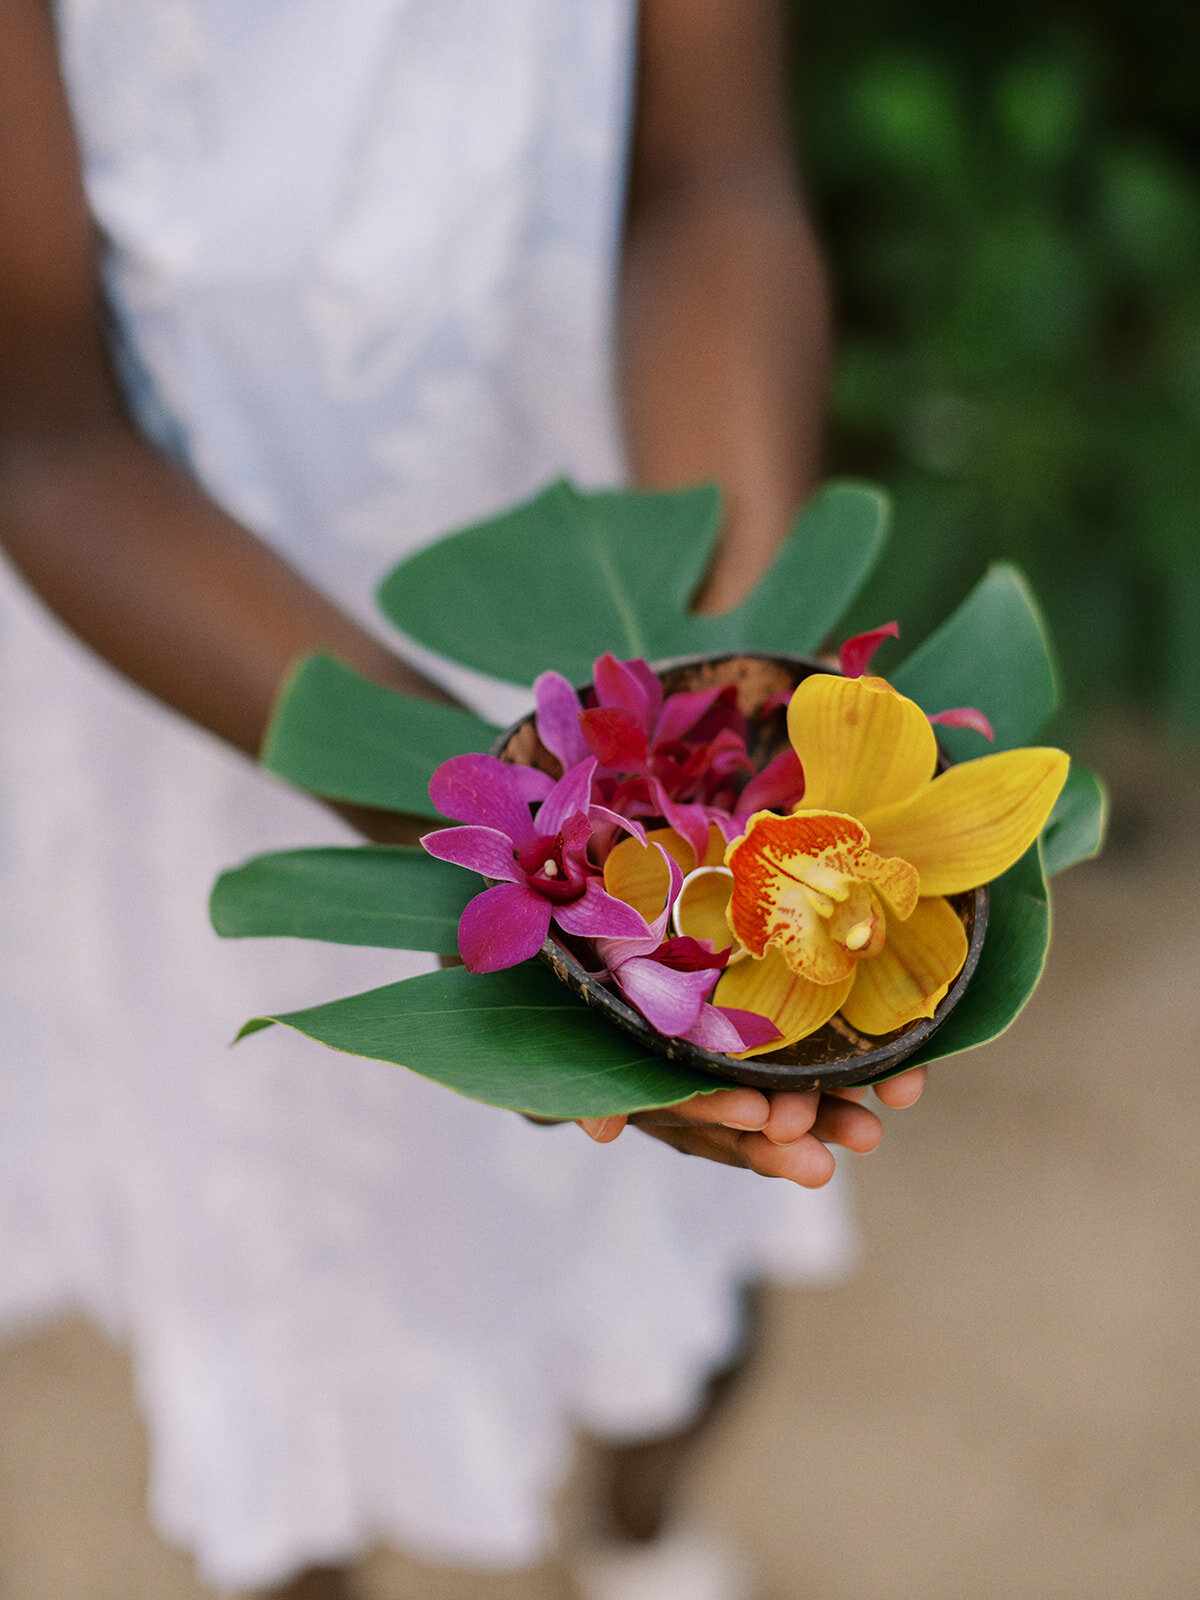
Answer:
[(130, 553), (725, 321)]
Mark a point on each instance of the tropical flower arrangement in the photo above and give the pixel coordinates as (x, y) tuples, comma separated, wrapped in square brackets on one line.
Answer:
[(762, 867)]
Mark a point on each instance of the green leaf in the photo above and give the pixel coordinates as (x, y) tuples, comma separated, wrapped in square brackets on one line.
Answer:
[(386, 895), (566, 576), (991, 653), (1010, 965), (832, 547), (338, 734), (557, 581), (516, 1038), (1075, 831)]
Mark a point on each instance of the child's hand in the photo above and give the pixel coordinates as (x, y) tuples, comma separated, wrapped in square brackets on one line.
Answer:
[(782, 1135)]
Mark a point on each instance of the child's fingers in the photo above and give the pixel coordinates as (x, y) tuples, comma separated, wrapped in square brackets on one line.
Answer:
[(852, 1126), (743, 1109), (903, 1090), (602, 1129)]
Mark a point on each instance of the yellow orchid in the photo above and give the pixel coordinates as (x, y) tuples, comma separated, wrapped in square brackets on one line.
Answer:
[(841, 906)]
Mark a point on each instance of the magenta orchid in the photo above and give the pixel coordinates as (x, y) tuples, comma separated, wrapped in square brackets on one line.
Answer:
[(541, 858), (682, 757)]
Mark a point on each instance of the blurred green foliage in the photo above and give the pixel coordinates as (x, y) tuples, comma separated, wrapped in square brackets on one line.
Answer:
[(1011, 203)]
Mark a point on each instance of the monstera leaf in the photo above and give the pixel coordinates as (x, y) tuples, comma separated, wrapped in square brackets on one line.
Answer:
[(567, 576), (553, 584)]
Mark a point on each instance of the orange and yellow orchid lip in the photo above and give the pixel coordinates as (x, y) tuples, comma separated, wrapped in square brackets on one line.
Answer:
[(841, 904)]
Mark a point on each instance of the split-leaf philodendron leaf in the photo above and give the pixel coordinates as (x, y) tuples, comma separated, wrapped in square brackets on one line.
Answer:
[(551, 585)]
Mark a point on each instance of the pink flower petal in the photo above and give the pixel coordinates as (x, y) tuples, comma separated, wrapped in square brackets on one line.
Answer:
[(598, 915), (670, 1001), (683, 711), (558, 711), (727, 1029), (572, 793), (616, 738), (855, 655), (689, 820), (778, 787), (530, 783), (620, 688), (483, 790), (485, 850), (502, 927), (965, 717), (601, 816)]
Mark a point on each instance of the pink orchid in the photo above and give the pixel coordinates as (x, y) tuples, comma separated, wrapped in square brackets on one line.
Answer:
[(542, 858), (677, 757), (669, 982)]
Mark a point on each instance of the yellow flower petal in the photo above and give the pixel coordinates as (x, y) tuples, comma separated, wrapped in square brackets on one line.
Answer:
[(803, 885), (972, 822), (795, 1005), (702, 904), (860, 743), (912, 972), (637, 873)]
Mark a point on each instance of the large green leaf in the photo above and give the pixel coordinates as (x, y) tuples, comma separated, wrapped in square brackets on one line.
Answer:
[(566, 576), (1075, 831), (338, 734), (1013, 956), (516, 1038), (386, 895), (991, 653)]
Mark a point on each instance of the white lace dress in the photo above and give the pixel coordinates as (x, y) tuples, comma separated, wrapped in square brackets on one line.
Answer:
[(361, 256)]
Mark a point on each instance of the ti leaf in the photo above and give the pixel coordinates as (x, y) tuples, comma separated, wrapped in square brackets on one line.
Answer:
[(559, 580), (1075, 831), (338, 734), (991, 653), (516, 1038), (386, 895), (1010, 965)]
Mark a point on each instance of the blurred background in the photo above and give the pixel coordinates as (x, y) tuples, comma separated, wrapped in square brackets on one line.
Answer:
[(1002, 1402)]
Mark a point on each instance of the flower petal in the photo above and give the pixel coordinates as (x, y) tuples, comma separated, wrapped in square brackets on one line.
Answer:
[(620, 685), (965, 717), (860, 743), (616, 738), (726, 1028), (483, 790), (572, 793), (974, 820), (558, 711), (638, 874), (855, 655), (613, 951), (502, 927), (485, 850), (597, 915), (795, 1005), (669, 1000), (691, 820), (907, 979), (700, 910), (778, 787), (683, 711)]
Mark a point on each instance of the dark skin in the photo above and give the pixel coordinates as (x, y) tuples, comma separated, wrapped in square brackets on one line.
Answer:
[(723, 349)]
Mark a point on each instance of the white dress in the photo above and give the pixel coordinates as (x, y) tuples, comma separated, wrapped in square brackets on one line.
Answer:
[(361, 255)]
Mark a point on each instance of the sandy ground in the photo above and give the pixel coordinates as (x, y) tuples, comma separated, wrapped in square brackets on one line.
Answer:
[(1002, 1405)]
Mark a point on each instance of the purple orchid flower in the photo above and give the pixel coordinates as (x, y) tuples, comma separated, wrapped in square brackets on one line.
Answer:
[(669, 982), (541, 858)]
